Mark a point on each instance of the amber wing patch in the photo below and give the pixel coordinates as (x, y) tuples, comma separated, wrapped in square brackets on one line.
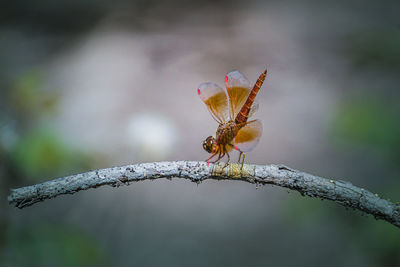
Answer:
[(248, 136), (215, 99), (238, 89)]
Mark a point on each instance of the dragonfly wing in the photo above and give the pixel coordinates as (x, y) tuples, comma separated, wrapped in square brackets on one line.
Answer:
[(238, 89), (248, 136), (253, 108), (215, 99)]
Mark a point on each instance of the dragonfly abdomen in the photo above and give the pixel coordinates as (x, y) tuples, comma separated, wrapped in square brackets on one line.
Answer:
[(243, 115)]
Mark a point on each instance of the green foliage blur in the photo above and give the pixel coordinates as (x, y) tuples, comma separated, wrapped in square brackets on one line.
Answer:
[(34, 152), (378, 48), (52, 245), (369, 120), (40, 155), (33, 147), (378, 241), (372, 122)]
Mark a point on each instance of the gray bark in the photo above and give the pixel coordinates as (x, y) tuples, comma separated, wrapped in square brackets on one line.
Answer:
[(341, 192)]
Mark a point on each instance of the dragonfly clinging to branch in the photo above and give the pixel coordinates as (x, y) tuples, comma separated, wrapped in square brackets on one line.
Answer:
[(232, 109)]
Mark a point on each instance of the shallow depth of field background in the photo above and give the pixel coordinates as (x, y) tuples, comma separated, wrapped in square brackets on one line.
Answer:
[(94, 84)]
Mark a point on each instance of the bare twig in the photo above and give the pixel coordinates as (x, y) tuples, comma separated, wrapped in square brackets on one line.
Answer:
[(341, 192)]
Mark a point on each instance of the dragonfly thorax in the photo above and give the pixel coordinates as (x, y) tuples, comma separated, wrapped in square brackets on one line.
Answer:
[(226, 132)]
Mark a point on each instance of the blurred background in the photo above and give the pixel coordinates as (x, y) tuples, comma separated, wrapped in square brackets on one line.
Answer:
[(93, 84)]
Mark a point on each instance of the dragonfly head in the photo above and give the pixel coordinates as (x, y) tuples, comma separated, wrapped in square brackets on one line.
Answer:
[(210, 144)]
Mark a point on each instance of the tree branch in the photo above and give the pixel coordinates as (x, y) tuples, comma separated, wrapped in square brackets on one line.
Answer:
[(341, 192)]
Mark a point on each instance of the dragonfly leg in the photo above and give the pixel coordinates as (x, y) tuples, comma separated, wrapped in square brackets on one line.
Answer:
[(223, 154), (219, 156), (223, 148), (227, 163), (244, 156), (240, 156), (208, 160)]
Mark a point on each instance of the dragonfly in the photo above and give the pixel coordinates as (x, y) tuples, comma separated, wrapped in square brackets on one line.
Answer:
[(232, 108)]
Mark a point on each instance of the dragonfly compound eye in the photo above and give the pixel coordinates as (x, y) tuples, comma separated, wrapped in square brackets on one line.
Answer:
[(208, 144)]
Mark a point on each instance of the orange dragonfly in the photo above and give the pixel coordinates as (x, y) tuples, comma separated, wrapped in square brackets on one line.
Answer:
[(231, 109)]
